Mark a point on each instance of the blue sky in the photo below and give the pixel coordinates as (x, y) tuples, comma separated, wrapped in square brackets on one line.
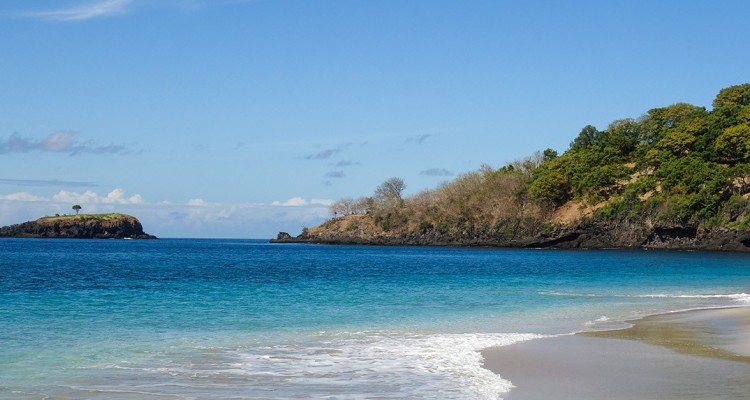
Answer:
[(244, 118)]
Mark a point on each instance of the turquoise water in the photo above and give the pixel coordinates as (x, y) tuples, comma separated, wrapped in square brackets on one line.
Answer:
[(220, 319)]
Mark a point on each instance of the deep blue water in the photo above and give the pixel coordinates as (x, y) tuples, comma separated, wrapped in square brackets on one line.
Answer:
[(247, 319)]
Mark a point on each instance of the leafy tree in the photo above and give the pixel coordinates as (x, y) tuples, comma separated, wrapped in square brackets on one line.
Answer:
[(620, 139), (733, 145), (76, 208), (600, 179), (549, 155), (676, 143), (551, 185), (730, 103), (658, 121), (585, 138)]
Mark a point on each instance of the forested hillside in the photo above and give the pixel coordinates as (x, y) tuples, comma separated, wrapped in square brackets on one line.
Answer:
[(680, 171)]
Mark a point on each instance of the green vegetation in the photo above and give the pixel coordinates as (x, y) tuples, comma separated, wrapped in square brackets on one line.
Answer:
[(679, 165), (84, 216), (76, 208)]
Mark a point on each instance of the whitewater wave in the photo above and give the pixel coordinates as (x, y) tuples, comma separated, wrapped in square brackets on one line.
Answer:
[(447, 366), (739, 297), (347, 365), (599, 320)]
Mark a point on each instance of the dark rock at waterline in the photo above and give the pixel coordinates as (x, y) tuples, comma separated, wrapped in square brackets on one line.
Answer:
[(587, 235)]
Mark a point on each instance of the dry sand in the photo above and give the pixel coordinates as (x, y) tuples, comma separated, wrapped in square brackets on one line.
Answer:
[(701, 354)]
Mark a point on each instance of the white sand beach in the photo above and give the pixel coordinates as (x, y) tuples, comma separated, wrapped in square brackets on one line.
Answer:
[(703, 354)]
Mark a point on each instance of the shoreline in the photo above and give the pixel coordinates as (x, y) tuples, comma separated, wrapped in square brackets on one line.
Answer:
[(716, 332), (589, 234), (696, 354), (399, 242)]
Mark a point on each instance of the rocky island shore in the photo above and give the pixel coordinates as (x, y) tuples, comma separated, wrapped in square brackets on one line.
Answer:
[(85, 226)]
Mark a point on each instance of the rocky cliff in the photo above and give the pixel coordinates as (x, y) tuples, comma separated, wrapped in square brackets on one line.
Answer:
[(89, 226), (587, 234)]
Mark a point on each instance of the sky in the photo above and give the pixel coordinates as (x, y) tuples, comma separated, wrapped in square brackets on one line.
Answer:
[(240, 119)]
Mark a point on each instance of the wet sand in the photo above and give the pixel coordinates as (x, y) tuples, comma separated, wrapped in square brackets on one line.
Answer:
[(701, 354)]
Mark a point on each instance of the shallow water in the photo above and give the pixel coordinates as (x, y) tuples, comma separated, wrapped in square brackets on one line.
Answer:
[(245, 319)]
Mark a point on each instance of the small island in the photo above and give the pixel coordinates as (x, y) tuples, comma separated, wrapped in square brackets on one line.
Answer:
[(83, 226)]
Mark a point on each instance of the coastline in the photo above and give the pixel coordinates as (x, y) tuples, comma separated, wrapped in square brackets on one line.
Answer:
[(698, 354), (720, 242), (588, 234)]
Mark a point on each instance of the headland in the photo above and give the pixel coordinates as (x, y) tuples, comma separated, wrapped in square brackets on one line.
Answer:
[(678, 177)]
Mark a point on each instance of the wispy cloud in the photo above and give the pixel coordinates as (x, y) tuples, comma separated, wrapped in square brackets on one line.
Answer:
[(336, 174), (345, 163), (84, 11), (323, 155), (418, 139), (45, 182), (58, 142), (436, 172)]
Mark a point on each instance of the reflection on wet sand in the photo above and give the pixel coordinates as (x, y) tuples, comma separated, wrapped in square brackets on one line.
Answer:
[(719, 333)]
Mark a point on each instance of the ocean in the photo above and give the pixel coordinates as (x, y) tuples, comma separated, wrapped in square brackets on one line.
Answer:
[(244, 319)]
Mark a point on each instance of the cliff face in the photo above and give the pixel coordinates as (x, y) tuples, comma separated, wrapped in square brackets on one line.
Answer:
[(98, 226), (586, 234), (644, 235)]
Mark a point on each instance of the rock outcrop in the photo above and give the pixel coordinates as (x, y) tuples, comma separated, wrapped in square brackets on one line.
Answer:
[(588, 234), (89, 226), (592, 235)]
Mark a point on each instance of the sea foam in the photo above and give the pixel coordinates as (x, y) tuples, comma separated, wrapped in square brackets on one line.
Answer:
[(739, 297), (355, 365)]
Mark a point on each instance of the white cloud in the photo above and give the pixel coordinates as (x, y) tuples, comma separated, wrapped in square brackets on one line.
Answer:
[(73, 197), (21, 196), (197, 202), (81, 12), (135, 199), (117, 196), (321, 202), (293, 202)]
